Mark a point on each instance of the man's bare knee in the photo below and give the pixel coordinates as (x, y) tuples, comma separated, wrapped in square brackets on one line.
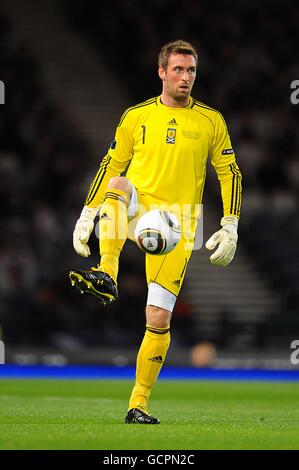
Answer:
[(122, 183), (157, 317)]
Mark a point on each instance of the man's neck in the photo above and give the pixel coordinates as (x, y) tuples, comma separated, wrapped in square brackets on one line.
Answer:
[(172, 103)]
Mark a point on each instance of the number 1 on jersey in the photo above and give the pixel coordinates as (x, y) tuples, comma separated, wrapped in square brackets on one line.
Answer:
[(143, 134)]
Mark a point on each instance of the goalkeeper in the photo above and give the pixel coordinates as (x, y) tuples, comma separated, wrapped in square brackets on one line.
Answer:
[(162, 146)]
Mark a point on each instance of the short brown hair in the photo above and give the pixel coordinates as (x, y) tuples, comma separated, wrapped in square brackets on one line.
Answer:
[(176, 47)]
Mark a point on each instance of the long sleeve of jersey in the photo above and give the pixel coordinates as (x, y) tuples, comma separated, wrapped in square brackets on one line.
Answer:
[(113, 164), (224, 162)]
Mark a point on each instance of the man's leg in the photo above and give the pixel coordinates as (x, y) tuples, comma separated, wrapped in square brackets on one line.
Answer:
[(151, 355), (114, 224), (165, 276), (102, 280)]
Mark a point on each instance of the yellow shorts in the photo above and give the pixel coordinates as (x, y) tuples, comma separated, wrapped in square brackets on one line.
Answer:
[(166, 270)]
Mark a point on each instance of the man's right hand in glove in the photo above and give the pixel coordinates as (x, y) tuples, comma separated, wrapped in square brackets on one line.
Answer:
[(83, 229)]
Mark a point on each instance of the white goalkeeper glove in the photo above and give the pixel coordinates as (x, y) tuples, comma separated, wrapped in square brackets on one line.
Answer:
[(83, 229), (227, 239)]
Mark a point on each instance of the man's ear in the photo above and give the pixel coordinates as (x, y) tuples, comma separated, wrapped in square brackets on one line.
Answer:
[(162, 73)]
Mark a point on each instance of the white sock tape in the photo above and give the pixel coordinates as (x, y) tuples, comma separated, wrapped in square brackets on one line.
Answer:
[(158, 296)]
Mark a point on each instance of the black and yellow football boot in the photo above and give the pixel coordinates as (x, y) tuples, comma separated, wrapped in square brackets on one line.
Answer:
[(95, 282), (136, 416)]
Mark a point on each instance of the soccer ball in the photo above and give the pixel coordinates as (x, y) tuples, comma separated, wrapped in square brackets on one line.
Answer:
[(157, 232)]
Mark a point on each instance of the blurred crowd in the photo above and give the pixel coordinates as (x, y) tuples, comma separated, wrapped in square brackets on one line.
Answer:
[(247, 61), (42, 191)]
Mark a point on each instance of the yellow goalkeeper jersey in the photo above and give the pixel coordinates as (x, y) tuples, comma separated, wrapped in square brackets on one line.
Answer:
[(164, 152)]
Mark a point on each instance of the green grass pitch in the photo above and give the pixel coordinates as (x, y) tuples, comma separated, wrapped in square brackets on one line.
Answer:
[(89, 414)]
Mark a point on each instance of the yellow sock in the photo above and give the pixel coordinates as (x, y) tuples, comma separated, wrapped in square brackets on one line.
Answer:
[(113, 230), (150, 359)]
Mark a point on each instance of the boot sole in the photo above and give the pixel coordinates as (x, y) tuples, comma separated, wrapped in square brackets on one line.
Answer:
[(87, 287), (135, 421)]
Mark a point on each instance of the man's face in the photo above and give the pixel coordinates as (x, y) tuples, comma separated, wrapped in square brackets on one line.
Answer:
[(178, 78)]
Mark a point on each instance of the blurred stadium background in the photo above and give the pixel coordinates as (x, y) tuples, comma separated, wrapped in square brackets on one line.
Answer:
[(70, 69)]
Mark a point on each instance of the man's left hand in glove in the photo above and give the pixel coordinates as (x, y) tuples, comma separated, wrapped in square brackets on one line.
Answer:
[(226, 239)]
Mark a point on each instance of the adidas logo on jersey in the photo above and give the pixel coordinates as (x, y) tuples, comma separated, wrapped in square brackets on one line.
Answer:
[(173, 122), (105, 216), (156, 359), (177, 282)]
